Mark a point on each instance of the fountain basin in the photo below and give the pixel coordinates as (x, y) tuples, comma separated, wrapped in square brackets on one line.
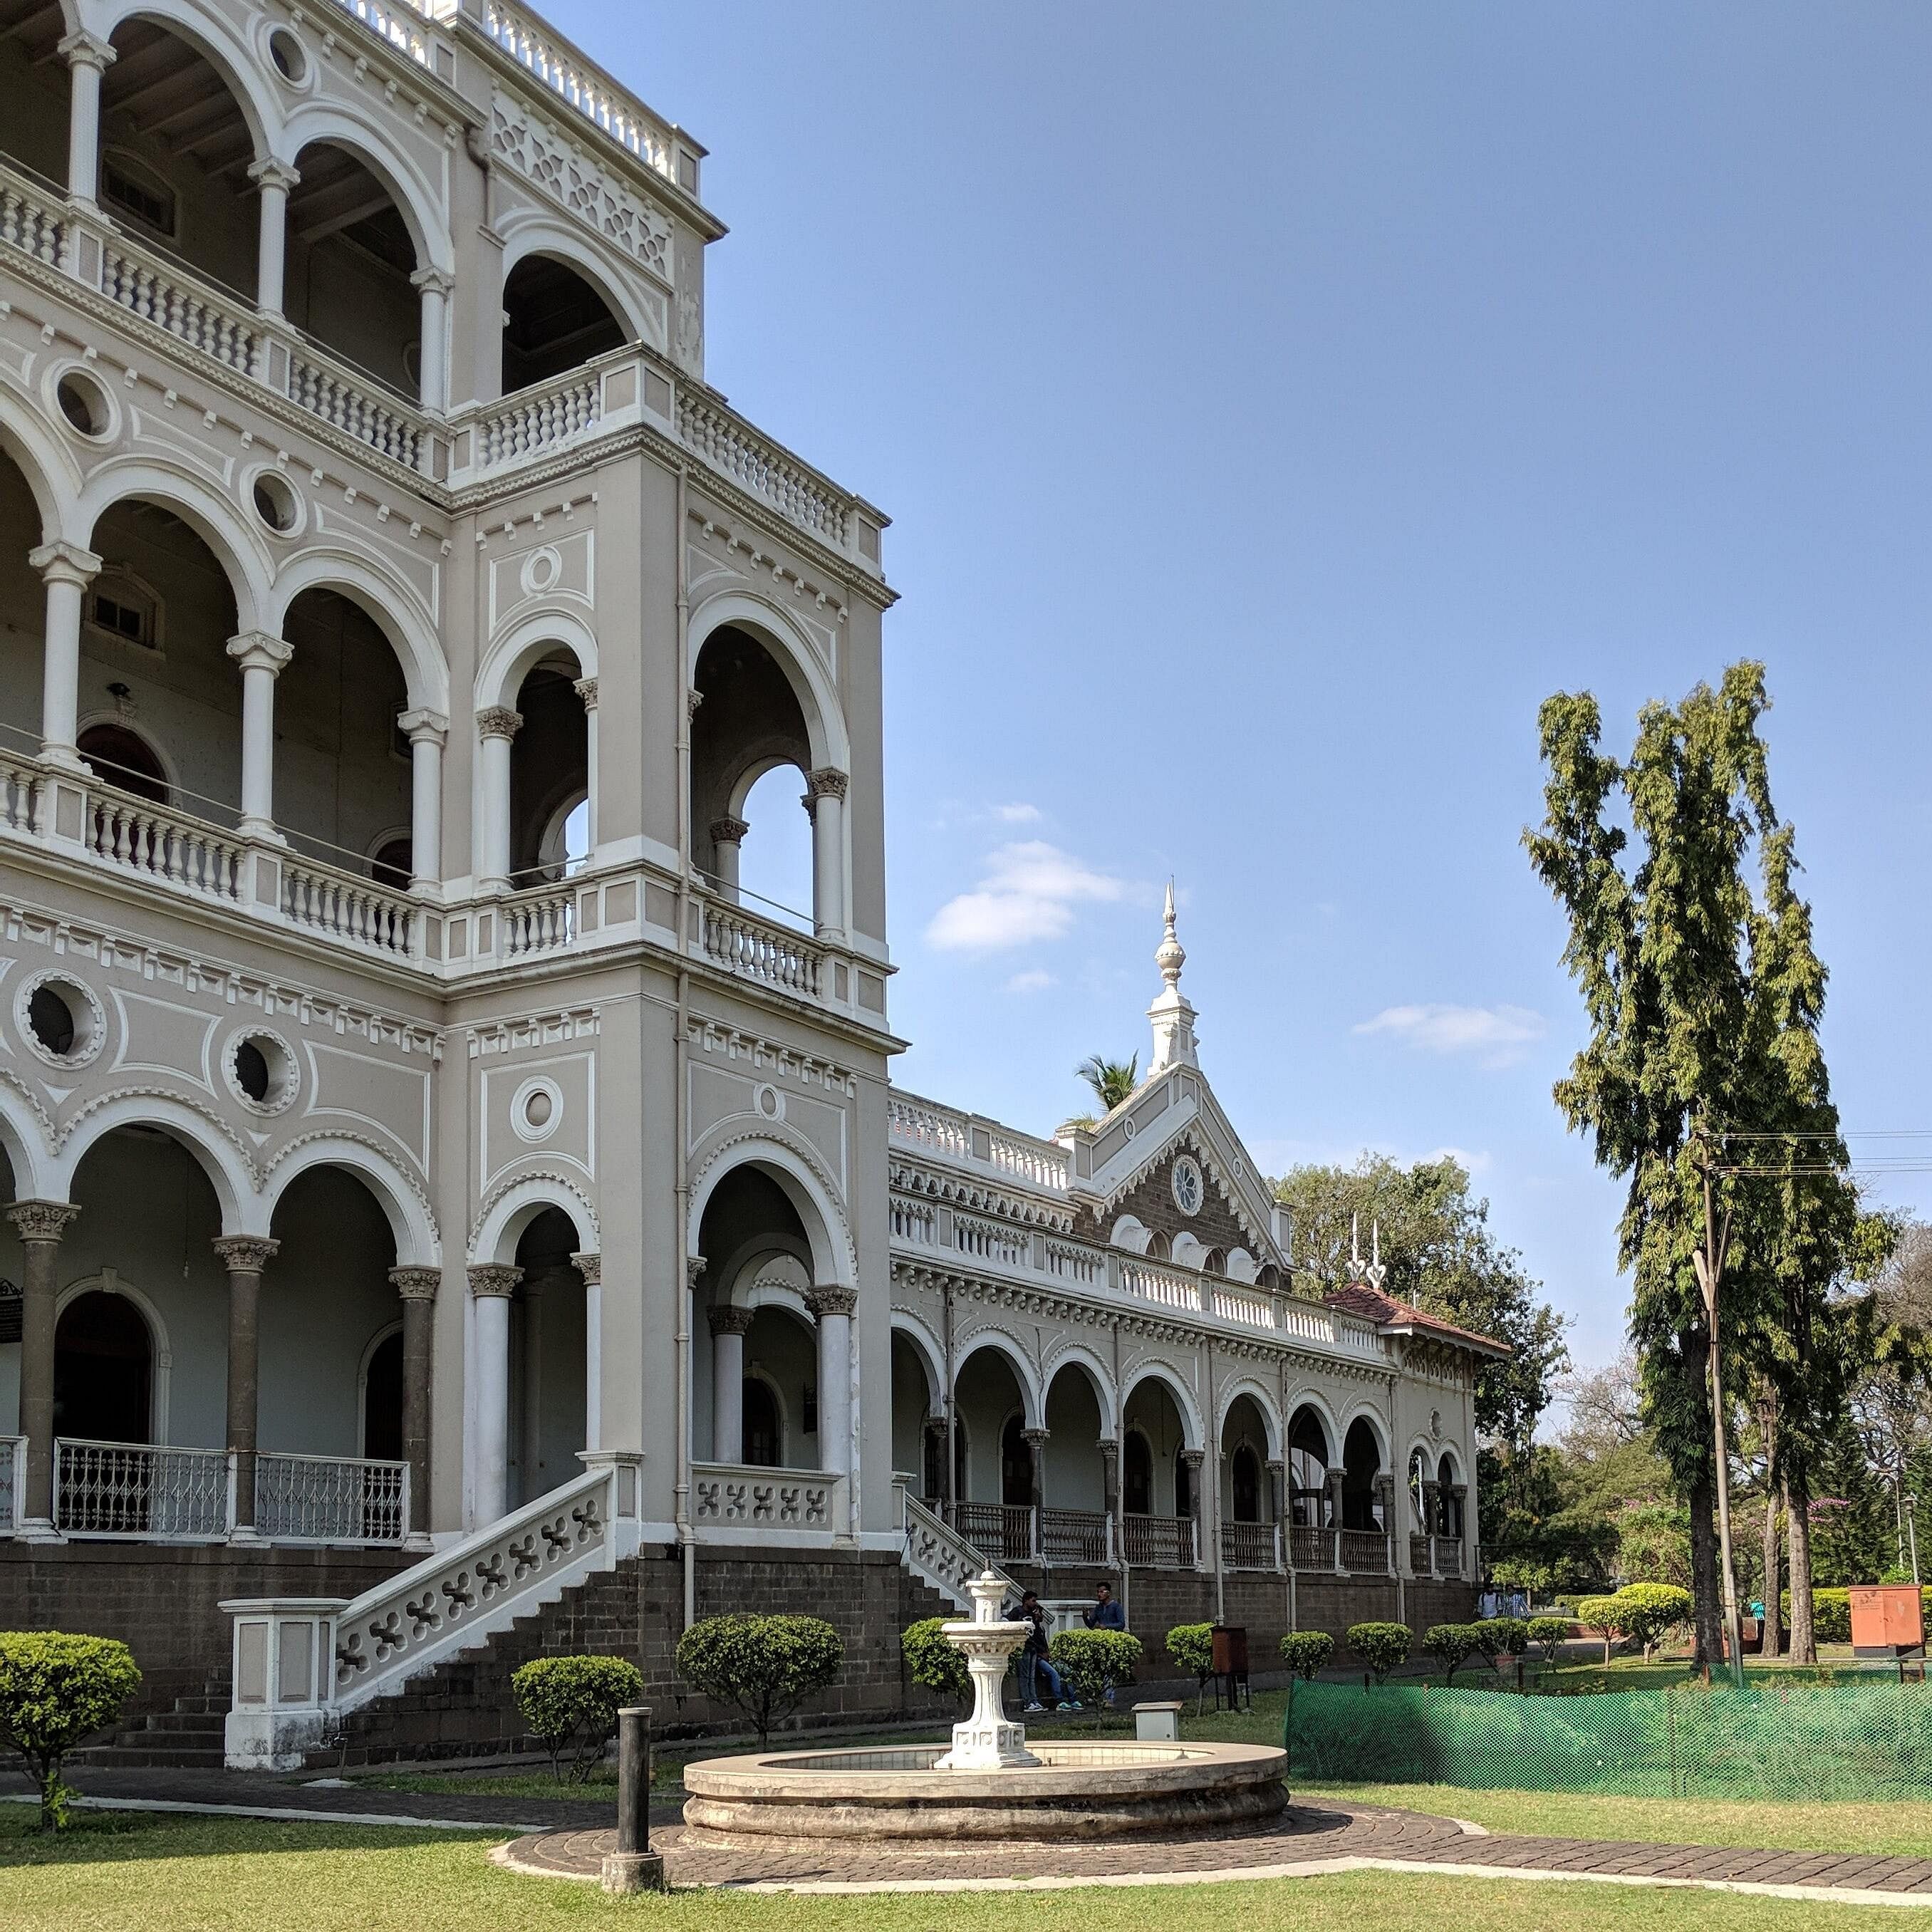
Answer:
[(801, 1800)]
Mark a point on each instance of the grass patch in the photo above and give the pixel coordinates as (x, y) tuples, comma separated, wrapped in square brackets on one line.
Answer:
[(177, 1873)]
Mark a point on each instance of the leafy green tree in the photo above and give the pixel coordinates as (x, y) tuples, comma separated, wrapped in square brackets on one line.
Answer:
[(570, 1704), (764, 1665), (1647, 1610), (1452, 1645), (1306, 1653), (1382, 1647), (933, 1662), (56, 1689), (1112, 1081)]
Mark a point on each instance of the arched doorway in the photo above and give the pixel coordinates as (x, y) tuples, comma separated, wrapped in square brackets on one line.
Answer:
[(1015, 1465), (1245, 1479), (125, 760), (1137, 1475), (382, 1401), (103, 1370), (764, 1439)]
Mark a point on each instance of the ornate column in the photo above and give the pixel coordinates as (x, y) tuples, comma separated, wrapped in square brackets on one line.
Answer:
[(245, 1256), (728, 1324), (832, 1309), (1385, 1502), (67, 570), (495, 727), (591, 1268), (727, 838), (1460, 1528), (1333, 1480), (1277, 1477), (491, 1286), (532, 1433), (1192, 1460), (1036, 1441), (87, 58), (825, 800), (586, 688), (1110, 1495), (432, 363), (426, 732), (936, 1433), (40, 1225), (273, 180), (416, 1289), (261, 657)]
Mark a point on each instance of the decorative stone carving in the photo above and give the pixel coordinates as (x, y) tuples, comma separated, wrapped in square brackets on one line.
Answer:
[(729, 831), (42, 1220), (694, 1270), (492, 1278), (544, 159), (729, 1320), (499, 721), (63, 563), (423, 723), (416, 1284), (586, 688), (255, 650), (246, 1254), (832, 1300), (591, 1268)]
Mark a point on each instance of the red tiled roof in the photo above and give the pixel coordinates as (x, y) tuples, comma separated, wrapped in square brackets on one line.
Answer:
[(1386, 1312)]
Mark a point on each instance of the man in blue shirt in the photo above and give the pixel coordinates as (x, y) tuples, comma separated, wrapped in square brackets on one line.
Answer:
[(1106, 1613)]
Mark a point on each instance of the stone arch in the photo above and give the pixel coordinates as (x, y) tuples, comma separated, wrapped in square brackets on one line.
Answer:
[(108, 1281), (770, 1285), (1315, 1401), (1366, 1411), (801, 1176), (512, 1208), (517, 652), (1033, 1403), (386, 601), (533, 231), (242, 552), (1265, 1405), (1074, 1354), (931, 1356), (52, 475), (415, 199), (1131, 1233), (211, 36), (411, 1221), (244, 1209), (1176, 1387), (24, 1138), (792, 652)]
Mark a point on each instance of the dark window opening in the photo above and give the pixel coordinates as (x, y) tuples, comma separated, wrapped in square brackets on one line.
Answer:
[(1015, 1464), (761, 1423), (391, 866), (1137, 1477), (1246, 1482), (150, 202), (52, 1021), (382, 1403), (1183, 1487), (124, 761), (103, 1359), (554, 320), (251, 1071)]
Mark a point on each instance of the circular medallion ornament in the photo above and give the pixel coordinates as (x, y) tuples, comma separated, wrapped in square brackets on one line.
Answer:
[(1188, 1189)]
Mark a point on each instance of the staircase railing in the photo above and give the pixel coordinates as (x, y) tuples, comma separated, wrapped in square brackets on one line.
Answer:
[(936, 1553)]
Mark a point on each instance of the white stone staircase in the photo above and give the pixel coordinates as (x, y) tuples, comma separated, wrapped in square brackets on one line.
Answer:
[(939, 1556)]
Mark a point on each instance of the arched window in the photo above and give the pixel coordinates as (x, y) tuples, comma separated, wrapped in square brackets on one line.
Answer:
[(762, 1447), (383, 1401), (1015, 1463), (1308, 1472), (1418, 1475), (392, 864), (1448, 1504), (1245, 1477), (1184, 1486), (104, 1369), (122, 759), (1137, 1475)]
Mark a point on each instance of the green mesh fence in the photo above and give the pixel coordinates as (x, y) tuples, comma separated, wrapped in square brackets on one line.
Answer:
[(1869, 1741)]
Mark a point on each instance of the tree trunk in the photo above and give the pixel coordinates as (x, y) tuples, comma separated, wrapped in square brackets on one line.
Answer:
[(1773, 1615), (1797, 1518), (1707, 1613)]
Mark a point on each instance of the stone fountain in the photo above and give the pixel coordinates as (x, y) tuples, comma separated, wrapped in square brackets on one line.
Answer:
[(989, 1786)]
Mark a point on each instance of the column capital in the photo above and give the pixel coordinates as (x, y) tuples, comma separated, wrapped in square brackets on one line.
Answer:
[(245, 1254), (1109, 1447), (591, 1268), (827, 781), (255, 650), (270, 172), (728, 831), (586, 688), (438, 281), (730, 1319), (86, 50), (499, 721), (1036, 1438), (63, 563), (420, 725), (693, 698), (832, 1300), (1194, 1458), (935, 1425), (416, 1284), (41, 1220), (493, 1278), (694, 1270), (1277, 1466)]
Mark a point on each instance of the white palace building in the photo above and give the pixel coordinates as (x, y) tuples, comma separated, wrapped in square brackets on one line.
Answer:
[(450, 1219)]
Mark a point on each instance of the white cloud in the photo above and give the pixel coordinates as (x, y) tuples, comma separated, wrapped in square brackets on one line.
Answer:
[(1019, 814), (1034, 979), (1494, 1035), (1028, 892)]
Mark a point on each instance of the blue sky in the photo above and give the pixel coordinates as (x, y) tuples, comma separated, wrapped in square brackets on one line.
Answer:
[(1275, 403)]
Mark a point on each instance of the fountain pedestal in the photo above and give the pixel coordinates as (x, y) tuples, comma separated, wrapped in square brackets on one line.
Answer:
[(988, 1740)]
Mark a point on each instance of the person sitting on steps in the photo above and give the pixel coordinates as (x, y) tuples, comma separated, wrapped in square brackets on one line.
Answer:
[(1035, 1666)]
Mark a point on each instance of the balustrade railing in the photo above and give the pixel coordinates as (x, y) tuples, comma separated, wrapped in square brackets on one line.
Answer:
[(533, 422), (20, 786), (1249, 1546), (31, 222), (760, 950), (1004, 1531), (756, 464), (13, 1475), (330, 1499), (401, 24), (1074, 1536), (1236, 1304), (1365, 1552), (1084, 1266), (758, 1498), (1152, 1281), (1044, 1166), (1158, 1542), (934, 1130), (1418, 1553), (1448, 1555), (992, 1241), (1311, 1549), (322, 900), (138, 1490), (538, 922), (188, 309), (187, 854), (345, 404), (939, 1553), (914, 1221)]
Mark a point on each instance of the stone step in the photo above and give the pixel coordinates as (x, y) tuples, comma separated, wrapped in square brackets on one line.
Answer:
[(127, 1757)]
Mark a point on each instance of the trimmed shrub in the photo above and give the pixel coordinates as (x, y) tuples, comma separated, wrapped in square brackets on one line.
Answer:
[(1094, 1661), (1649, 1609), (930, 1661), (762, 1665), (1382, 1647), (1549, 1632), (1192, 1647), (1604, 1615), (57, 1689), (1830, 1615), (1305, 1652), (1451, 1645), (570, 1704), (1500, 1636)]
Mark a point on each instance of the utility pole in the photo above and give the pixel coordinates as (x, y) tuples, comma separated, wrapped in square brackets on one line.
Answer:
[(1709, 1262)]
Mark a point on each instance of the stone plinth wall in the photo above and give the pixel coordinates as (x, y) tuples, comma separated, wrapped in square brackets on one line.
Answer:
[(160, 1599)]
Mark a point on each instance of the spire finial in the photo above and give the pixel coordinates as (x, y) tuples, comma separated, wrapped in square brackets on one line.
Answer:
[(1170, 956), (1173, 1018)]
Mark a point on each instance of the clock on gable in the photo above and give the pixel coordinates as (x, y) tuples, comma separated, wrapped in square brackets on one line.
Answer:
[(1188, 1188)]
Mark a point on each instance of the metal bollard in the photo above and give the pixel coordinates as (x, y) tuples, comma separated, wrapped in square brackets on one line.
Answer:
[(634, 1866)]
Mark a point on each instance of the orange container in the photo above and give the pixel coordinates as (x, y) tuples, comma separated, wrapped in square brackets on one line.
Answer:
[(1887, 1617)]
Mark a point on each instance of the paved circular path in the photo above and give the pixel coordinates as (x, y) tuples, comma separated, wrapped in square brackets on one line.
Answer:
[(1308, 1839)]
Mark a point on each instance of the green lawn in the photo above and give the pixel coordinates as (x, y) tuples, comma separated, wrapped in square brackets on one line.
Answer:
[(128, 1874)]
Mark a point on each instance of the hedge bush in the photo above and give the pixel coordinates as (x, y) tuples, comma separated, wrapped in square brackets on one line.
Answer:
[(1830, 1615), (1382, 1647), (1094, 1661), (1192, 1647), (570, 1704), (1549, 1632), (56, 1689), (763, 1665), (1649, 1609), (1305, 1652), (930, 1661), (1604, 1615), (1500, 1636), (1452, 1645)]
